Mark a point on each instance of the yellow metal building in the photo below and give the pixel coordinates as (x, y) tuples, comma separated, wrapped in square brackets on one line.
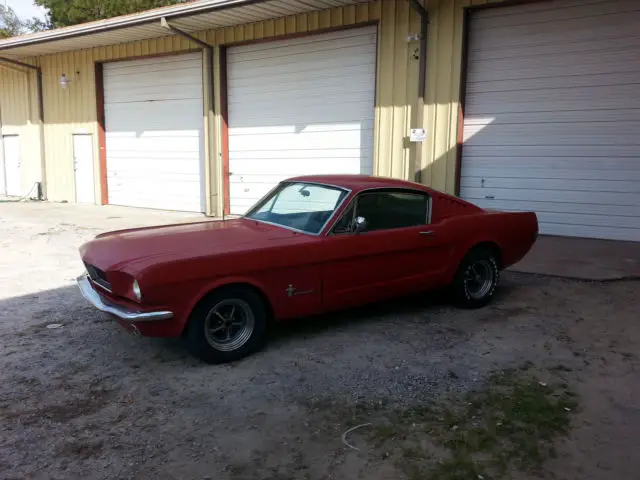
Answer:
[(53, 127)]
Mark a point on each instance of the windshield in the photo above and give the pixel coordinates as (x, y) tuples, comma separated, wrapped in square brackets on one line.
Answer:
[(302, 206)]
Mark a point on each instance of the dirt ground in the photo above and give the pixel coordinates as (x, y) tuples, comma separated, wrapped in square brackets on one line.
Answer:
[(88, 400)]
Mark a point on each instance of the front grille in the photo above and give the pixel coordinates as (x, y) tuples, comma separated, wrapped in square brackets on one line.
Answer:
[(98, 276)]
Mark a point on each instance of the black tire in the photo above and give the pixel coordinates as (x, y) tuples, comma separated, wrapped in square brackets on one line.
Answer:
[(204, 335), (464, 293)]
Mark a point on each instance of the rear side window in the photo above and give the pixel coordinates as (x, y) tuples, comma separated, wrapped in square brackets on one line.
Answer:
[(389, 210), (386, 210)]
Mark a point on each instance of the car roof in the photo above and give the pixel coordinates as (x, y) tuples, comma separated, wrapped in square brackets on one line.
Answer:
[(358, 182)]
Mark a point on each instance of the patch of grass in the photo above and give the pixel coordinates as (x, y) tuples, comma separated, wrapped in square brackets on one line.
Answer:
[(511, 423)]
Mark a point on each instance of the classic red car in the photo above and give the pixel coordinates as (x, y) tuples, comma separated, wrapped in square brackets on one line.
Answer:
[(313, 244)]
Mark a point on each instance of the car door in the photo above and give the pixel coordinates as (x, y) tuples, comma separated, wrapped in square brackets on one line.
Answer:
[(398, 251)]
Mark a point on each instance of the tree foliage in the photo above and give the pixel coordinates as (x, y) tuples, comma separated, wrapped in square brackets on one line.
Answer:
[(11, 25), (63, 13)]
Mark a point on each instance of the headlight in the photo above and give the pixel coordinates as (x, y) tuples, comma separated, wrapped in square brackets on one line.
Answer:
[(136, 291)]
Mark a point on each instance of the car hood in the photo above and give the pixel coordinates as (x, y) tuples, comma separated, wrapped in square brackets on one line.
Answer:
[(136, 248)]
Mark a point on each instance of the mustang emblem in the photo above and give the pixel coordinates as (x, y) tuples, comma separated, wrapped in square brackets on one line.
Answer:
[(292, 291)]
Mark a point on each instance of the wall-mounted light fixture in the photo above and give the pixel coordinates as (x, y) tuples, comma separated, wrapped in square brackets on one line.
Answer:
[(64, 81)]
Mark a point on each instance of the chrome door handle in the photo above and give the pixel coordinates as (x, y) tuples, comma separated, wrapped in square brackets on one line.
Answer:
[(430, 232)]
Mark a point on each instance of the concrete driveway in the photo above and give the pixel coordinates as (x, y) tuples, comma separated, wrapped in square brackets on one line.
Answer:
[(88, 400), (582, 258)]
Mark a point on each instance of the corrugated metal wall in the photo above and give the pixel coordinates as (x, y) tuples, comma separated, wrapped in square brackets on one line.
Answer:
[(19, 115), (74, 110), (443, 98)]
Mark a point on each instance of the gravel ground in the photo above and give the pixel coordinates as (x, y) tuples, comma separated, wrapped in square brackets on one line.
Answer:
[(88, 400)]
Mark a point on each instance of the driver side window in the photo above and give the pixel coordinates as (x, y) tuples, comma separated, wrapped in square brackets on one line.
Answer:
[(386, 210)]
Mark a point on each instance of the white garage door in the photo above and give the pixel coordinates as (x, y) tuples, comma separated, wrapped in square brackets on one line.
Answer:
[(154, 132), (297, 107), (552, 115)]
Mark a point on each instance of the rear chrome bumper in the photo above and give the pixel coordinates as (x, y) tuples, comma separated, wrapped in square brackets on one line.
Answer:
[(123, 313)]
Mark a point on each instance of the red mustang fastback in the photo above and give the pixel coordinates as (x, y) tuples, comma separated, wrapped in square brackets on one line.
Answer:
[(313, 244)]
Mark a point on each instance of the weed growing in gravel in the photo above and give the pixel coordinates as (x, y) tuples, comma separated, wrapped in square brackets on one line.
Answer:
[(511, 423)]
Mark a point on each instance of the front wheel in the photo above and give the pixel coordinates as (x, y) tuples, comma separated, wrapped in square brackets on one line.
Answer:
[(227, 325), (476, 279)]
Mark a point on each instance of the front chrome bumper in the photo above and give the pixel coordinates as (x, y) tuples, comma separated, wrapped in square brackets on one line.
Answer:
[(123, 313)]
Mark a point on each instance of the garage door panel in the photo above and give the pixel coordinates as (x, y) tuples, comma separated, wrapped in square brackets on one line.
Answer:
[(261, 167), (500, 43), (310, 42), (300, 141), (358, 67), (316, 116), (560, 82), (155, 132), (304, 129), (148, 145), (617, 39), (550, 182), (533, 134), (560, 13), (309, 114), (142, 165), (334, 95), (299, 106), (317, 154), (322, 61), (176, 91), (609, 198), (295, 53), (563, 208), (617, 153), (507, 170), (131, 117), (145, 79), (325, 86), (563, 116), (489, 109), (604, 97), (545, 66)]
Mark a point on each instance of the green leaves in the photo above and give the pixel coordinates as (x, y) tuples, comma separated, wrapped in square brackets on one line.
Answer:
[(63, 13)]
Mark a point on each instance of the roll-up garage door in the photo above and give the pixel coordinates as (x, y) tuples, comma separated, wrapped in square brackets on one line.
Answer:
[(299, 106), (154, 132), (552, 115)]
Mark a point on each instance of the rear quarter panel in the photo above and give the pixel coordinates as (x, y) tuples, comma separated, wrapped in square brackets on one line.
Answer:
[(514, 233)]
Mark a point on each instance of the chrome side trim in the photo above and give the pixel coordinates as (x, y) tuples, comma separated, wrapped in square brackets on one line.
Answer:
[(104, 305)]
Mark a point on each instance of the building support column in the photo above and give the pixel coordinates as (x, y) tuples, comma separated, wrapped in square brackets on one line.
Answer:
[(210, 173), (422, 85)]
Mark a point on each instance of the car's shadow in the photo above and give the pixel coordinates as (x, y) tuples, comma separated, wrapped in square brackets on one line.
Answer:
[(28, 316), (284, 331)]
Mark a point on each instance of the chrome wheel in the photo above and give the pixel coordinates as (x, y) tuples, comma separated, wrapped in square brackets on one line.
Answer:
[(479, 279), (229, 324)]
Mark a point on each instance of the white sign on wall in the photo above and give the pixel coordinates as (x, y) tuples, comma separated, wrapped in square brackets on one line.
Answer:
[(418, 135)]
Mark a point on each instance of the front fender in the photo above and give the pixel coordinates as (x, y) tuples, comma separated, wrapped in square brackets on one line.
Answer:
[(209, 286)]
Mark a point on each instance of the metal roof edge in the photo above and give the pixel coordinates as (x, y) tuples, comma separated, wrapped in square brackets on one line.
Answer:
[(136, 19)]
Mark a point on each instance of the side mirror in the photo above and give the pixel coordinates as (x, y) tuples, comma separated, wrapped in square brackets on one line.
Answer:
[(359, 224)]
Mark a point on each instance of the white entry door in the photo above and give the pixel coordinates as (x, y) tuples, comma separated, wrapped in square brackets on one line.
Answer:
[(11, 145), (83, 165)]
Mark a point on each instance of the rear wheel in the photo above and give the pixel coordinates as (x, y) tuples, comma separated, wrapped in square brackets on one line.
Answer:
[(476, 279), (227, 325)]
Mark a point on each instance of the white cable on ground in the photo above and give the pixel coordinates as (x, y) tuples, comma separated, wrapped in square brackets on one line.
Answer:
[(344, 435)]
